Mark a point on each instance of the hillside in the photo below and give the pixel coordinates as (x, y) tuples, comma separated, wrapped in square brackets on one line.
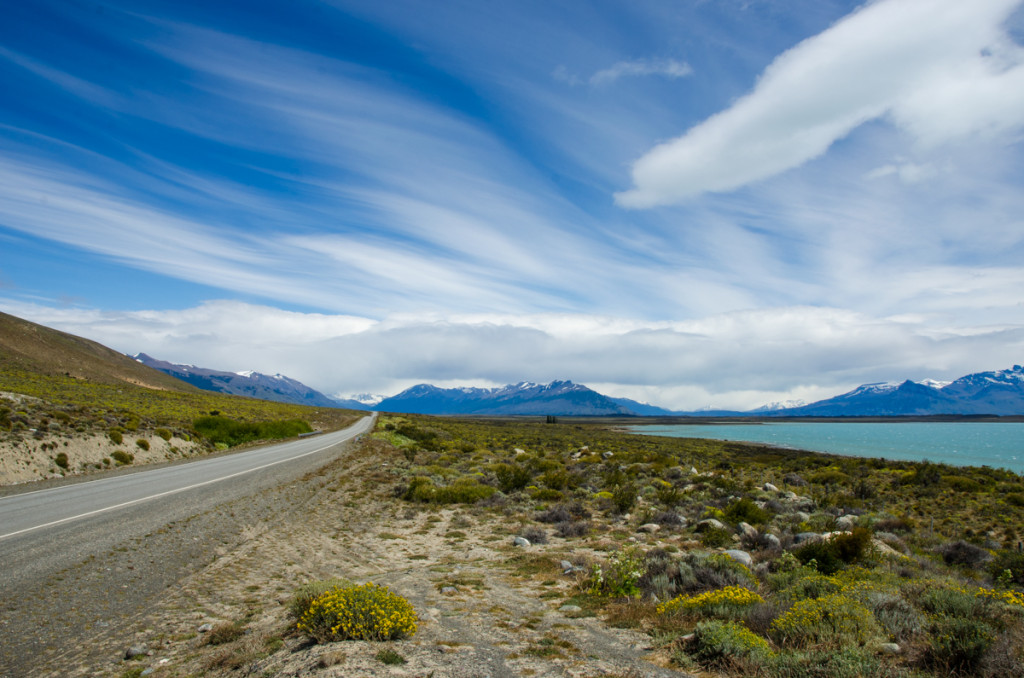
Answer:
[(34, 348)]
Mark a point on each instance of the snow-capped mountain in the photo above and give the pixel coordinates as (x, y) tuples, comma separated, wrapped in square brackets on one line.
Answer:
[(562, 398), (993, 393), (277, 387)]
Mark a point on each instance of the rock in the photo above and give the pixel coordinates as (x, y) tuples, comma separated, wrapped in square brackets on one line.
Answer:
[(748, 530), (801, 517), (741, 557), (570, 608), (565, 565), (136, 651), (890, 648), (519, 451), (805, 537), (794, 479), (693, 471), (649, 528), (768, 487), (772, 541), (790, 496), (709, 524), (520, 541), (846, 523), (205, 628), (449, 591), (608, 455)]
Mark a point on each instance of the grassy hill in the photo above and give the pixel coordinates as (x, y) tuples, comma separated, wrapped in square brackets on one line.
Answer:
[(59, 391)]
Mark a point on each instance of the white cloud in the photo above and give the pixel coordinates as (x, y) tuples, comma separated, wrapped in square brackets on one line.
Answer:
[(737, 360), (669, 68), (939, 69)]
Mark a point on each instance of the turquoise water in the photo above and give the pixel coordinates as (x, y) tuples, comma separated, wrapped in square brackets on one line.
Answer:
[(995, 444)]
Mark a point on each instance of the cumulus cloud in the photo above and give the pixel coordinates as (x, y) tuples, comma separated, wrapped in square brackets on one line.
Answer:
[(938, 69), (737, 360)]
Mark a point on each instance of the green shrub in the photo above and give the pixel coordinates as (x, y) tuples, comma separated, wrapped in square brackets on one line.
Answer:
[(745, 510), (619, 577), (225, 633), (389, 657), (842, 663), (367, 612), (62, 460), (122, 458), (512, 477), (834, 619), (163, 433), (1008, 560), (715, 537), (718, 643), (898, 618), (624, 497), (957, 645), (115, 436), (830, 555), (142, 444), (222, 430), (461, 491)]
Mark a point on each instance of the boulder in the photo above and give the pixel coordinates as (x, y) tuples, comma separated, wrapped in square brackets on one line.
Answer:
[(520, 541), (741, 557), (136, 651), (649, 528), (748, 530), (846, 523), (709, 524), (772, 541), (768, 487), (890, 648)]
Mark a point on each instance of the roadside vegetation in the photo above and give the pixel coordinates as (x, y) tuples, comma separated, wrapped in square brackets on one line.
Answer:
[(43, 414), (741, 560)]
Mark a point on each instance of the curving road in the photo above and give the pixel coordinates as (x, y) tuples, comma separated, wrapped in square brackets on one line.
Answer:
[(44, 530)]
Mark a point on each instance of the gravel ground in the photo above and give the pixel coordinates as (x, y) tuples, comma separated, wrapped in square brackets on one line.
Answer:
[(239, 564)]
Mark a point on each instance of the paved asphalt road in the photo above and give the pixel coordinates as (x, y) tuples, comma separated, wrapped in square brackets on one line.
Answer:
[(45, 530)]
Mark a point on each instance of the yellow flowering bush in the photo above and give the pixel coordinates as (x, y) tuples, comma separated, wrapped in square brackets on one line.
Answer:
[(367, 612), (834, 619), (725, 602), (716, 643)]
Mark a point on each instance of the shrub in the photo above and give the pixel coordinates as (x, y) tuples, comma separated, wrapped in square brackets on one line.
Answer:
[(564, 513), (122, 458), (957, 645), (225, 633), (833, 619), (62, 460), (115, 436), (568, 530), (842, 663), (221, 430), (745, 510), (715, 537), (619, 577), (731, 601), (1008, 560), (511, 477), (163, 433), (142, 444), (389, 657), (898, 618), (367, 612), (717, 570), (307, 593), (624, 497), (964, 553), (461, 491), (716, 643), (830, 555), (535, 535)]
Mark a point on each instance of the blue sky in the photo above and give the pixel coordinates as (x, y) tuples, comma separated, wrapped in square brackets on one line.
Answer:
[(692, 203)]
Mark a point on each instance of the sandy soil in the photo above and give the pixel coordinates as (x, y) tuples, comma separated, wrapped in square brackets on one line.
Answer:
[(502, 620)]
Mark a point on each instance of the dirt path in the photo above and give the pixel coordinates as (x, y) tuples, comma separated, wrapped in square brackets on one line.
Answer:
[(503, 619)]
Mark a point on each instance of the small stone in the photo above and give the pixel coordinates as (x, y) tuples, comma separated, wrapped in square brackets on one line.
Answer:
[(135, 651), (890, 648), (768, 487), (449, 591), (570, 608), (520, 451), (649, 528), (741, 557), (205, 628), (521, 541), (565, 565), (694, 471), (608, 455)]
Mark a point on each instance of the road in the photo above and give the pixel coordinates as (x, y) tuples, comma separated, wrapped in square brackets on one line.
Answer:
[(73, 541)]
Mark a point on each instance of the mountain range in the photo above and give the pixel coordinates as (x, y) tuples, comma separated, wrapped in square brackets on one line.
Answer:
[(984, 393)]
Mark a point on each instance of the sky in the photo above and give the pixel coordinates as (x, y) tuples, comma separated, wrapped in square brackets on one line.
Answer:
[(692, 203)]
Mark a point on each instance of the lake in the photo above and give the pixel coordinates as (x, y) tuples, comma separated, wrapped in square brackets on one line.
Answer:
[(995, 444)]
